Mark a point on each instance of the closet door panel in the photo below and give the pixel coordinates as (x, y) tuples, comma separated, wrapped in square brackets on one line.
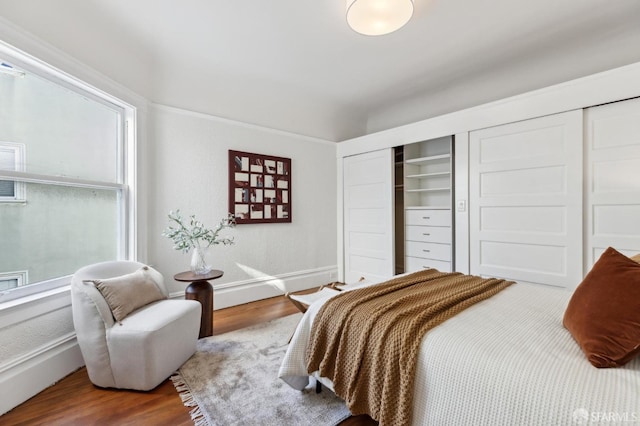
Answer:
[(612, 181), (535, 220), (525, 189), (368, 215)]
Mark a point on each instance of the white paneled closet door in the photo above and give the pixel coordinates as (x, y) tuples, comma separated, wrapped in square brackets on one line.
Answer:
[(369, 216), (525, 200), (612, 184)]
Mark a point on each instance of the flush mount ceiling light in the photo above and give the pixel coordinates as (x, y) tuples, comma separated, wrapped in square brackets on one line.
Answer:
[(378, 17)]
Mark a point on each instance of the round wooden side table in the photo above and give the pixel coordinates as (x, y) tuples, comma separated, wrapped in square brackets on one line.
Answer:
[(201, 290)]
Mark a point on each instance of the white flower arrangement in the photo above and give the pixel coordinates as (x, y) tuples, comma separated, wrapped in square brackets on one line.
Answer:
[(192, 234)]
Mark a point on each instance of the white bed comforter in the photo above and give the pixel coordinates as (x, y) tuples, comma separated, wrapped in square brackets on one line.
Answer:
[(504, 361)]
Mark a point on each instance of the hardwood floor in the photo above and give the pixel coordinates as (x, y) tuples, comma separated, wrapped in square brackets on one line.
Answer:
[(75, 401)]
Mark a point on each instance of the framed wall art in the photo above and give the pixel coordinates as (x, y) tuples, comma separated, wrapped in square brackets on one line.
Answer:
[(259, 188)]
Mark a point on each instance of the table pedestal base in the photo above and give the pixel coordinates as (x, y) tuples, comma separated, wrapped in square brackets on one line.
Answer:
[(202, 291)]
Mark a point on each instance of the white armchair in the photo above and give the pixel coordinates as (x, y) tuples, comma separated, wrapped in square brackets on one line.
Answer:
[(143, 349)]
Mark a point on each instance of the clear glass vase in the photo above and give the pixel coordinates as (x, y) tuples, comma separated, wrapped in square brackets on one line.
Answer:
[(199, 263)]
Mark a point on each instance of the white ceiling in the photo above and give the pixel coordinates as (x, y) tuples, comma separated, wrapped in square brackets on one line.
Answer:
[(295, 65)]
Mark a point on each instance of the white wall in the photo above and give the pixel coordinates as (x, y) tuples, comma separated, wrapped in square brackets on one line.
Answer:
[(188, 170)]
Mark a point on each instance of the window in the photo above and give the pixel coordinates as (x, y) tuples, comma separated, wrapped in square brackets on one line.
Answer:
[(11, 159), (67, 146), (11, 280)]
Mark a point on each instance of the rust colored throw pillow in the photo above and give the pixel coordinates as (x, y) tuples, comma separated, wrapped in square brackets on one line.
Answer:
[(603, 314)]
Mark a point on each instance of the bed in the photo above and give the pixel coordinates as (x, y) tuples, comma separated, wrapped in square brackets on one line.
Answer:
[(506, 360)]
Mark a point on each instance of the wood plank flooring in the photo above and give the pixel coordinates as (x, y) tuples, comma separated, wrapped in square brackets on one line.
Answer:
[(74, 400)]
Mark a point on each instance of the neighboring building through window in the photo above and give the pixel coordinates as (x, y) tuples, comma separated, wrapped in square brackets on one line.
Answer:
[(11, 280), (11, 159), (66, 145), (6, 284)]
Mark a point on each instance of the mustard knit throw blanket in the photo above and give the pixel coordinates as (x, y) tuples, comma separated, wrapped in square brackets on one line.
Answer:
[(367, 341)]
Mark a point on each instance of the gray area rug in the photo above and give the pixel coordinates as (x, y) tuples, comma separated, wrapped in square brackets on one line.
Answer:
[(232, 379)]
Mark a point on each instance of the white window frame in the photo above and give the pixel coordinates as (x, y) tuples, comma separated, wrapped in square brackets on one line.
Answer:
[(126, 160), (19, 162)]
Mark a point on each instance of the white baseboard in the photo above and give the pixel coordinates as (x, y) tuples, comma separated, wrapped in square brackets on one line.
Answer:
[(239, 292), (36, 371)]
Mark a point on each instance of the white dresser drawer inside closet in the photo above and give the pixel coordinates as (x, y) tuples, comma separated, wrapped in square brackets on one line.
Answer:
[(413, 264), (428, 234), (428, 250), (428, 217)]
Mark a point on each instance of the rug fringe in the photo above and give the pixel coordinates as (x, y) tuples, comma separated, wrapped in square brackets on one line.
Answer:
[(197, 416)]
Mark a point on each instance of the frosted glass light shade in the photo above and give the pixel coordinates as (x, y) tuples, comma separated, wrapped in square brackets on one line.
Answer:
[(378, 17)]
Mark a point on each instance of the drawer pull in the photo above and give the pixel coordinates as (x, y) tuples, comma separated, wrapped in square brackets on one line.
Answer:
[(426, 251), (426, 235), (426, 217)]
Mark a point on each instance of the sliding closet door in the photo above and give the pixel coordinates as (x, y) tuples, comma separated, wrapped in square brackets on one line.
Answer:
[(368, 216), (525, 211), (613, 179)]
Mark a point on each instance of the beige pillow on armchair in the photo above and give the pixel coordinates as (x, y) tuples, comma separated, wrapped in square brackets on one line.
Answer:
[(126, 293)]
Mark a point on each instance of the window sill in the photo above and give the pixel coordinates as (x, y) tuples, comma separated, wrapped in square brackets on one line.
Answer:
[(25, 308)]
